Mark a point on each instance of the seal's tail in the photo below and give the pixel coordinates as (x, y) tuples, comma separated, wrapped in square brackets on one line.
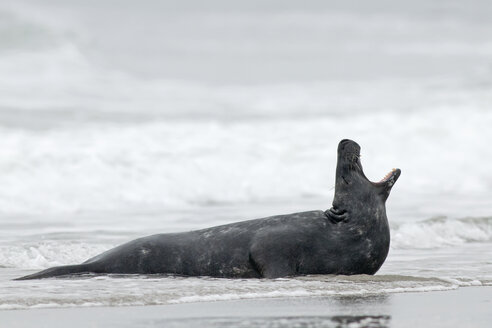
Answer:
[(58, 271)]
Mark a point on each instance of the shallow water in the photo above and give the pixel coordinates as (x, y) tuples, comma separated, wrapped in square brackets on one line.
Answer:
[(462, 259), (216, 121)]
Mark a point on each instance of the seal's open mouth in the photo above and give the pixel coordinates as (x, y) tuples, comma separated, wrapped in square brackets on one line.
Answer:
[(349, 157), (389, 179), (388, 176)]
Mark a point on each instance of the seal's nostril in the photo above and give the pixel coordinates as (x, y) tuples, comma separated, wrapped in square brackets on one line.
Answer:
[(342, 144), (347, 145)]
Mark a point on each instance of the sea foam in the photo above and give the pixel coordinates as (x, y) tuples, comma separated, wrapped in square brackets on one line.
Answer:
[(441, 232), (177, 164)]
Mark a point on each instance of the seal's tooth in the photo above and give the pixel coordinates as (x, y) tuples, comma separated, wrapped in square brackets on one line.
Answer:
[(388, 175)]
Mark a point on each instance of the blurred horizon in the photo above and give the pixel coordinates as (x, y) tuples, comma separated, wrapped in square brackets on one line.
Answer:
[(262, 42)]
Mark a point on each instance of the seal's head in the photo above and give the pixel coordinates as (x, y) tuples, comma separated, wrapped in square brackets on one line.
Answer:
[(353, 190)]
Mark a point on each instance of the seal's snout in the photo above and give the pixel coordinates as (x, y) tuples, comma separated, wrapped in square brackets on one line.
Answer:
[(348, 146)]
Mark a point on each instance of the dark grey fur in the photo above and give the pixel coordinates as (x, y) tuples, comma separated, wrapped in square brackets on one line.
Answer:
[(350, 238)]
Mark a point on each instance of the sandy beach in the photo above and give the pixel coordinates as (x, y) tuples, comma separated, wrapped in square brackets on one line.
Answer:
[(464, 307)]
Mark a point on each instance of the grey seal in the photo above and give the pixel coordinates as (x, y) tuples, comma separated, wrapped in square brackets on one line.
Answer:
[(352, 237)]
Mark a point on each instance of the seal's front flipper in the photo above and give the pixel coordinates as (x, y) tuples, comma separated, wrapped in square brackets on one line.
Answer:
[(336, 215)]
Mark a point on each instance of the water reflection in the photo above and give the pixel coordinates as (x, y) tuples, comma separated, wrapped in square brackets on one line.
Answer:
[(381, 321)]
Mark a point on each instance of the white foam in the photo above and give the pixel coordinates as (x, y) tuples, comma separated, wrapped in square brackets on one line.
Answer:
[(441, 232), (464, 282), (133, 290), (47, 254), (174, 165)]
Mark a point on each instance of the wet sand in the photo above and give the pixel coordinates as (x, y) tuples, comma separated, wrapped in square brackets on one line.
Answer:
[(464, 307)]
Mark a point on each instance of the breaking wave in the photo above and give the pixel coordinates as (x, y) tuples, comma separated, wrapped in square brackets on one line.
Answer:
[(441, 232), (428, 234), (47, 254)]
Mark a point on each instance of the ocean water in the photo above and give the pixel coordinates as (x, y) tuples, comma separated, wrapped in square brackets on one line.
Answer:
[(120, 120)]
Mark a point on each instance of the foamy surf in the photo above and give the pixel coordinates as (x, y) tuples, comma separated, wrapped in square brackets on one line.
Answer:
[(147, 290), (441, 232), (127, 167), (436, 233), (43, 255)]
